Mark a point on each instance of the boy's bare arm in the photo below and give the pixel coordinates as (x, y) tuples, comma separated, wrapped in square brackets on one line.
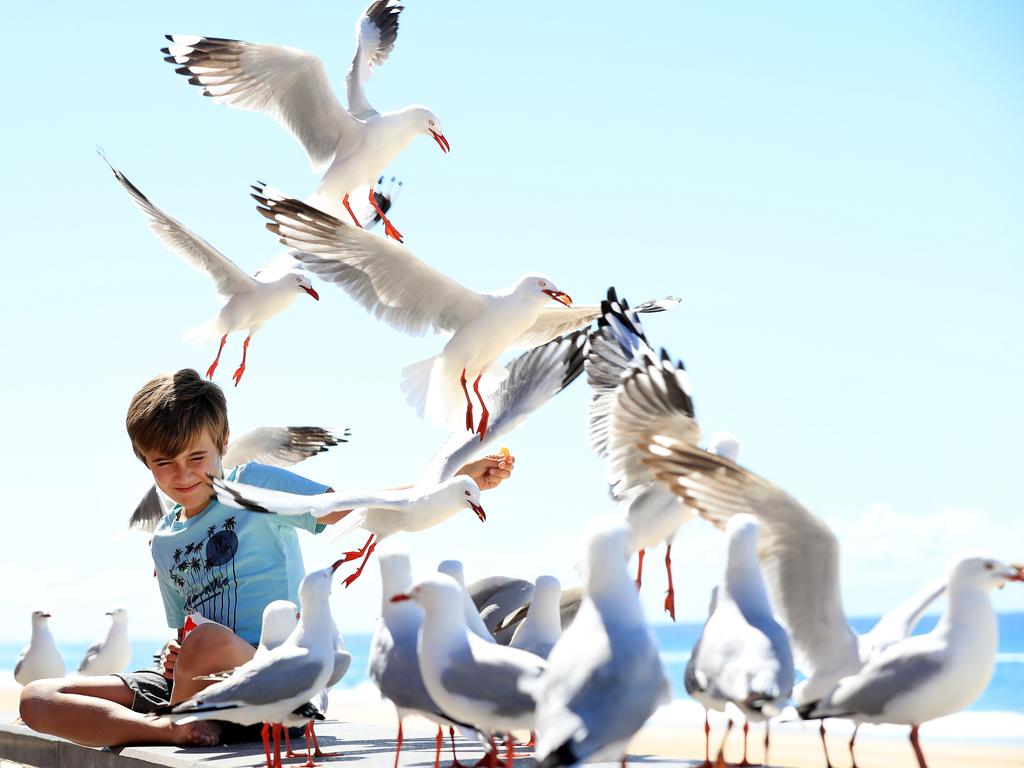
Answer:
[(488, 472)]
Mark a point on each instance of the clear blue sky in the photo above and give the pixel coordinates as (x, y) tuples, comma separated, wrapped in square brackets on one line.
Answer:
[(835, 191)]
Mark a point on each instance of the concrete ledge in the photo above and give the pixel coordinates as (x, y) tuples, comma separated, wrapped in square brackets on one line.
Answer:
[(371, 746)]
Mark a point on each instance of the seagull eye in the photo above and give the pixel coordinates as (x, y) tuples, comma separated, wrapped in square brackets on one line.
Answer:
[(542, 284), (430, 122), (467, 493), (989, 566)]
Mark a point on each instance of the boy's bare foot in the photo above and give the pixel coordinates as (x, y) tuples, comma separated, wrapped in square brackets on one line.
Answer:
[(199, 733)]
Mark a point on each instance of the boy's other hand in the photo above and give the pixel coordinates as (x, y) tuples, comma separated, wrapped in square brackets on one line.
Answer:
[(490, 471), (169, 657)]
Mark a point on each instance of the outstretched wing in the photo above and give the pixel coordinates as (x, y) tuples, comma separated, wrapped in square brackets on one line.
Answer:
[(256, 499), (376, 32), (150, 510), (289, 85), (385, 278), (533, 378), (186, 244), (799, 553), (282, 446)]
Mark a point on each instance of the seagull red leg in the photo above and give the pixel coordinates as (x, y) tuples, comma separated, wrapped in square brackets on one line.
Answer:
[(344, 201), (389, 228), (639, 570), (351, 578), (720, 760), (746, 735), (455, 758), (707, 741), (237, 375), (276, 728), (917, 748), (469, 402), (482, 426), (824, 746), (853, 738), (309, 754), (288, 746), (670, 595), (767, 733), (357, 553), (265, 733), (216, 360), (398, 745)]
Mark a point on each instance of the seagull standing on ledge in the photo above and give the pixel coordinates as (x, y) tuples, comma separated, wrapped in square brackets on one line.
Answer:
[(249, 300), (291, 86), (40, 659), (112, 653), (407, 294)]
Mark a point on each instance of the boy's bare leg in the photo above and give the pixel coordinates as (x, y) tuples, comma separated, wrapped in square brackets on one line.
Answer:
[(209, 648), (96, 711)]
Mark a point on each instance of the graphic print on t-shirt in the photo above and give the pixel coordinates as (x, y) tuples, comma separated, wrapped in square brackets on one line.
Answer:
[(204, 573)]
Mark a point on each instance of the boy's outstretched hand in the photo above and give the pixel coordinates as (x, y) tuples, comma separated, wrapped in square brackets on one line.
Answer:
[(490, 471)]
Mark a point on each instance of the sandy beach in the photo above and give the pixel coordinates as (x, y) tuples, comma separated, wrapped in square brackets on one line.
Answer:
[(676, 731)]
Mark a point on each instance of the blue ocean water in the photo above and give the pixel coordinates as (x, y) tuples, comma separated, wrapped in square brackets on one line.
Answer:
[(1004, 693)]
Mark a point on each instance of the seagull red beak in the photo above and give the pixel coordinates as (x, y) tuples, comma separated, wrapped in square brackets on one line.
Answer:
[(312, 292), (337, 564), (401, 597), (1019, 572), (479, 511), (559, 296), (442, 142)]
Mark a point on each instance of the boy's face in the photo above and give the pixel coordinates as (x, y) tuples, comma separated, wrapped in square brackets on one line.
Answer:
[(183, 477)]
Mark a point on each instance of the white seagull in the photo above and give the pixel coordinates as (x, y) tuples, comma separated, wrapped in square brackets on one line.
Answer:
[(927, 676), (538, 632), (281, 681), (382, 513), (292, 87), (276, 446), (39, 659), (799, 560), (409, 295), (604, 677), (394, 664), (477, 682), (636, 391), (248, 300), (112, 653), (475, 624), (742, 657)]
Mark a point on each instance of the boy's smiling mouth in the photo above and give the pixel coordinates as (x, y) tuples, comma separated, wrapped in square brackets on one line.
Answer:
[(188, 488)]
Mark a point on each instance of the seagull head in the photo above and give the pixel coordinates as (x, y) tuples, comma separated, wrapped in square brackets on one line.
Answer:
[(466, 488), (542, 287), (431, 126), (279, 619), (985, 571), (303, 282), (39, 616), (438, 595), (118, 614)]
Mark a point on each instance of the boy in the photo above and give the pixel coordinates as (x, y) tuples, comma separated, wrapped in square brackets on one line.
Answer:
[(222, 563)]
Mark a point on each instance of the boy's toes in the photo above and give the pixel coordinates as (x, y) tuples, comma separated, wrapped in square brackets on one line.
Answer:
[(200, 733)]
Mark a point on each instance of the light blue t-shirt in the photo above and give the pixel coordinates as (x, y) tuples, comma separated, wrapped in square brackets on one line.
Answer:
[(227, 564)]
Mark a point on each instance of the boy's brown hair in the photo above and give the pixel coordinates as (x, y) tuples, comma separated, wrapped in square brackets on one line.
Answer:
[(171, 410)]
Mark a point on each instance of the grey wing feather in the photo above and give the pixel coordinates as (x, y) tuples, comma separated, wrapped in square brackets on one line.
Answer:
[(281, 678), (150, 511), (497, 597), (282, 446), (90, 654), (533, 378), (193, 249), (385, 278), (491, 681), (874, 686)]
